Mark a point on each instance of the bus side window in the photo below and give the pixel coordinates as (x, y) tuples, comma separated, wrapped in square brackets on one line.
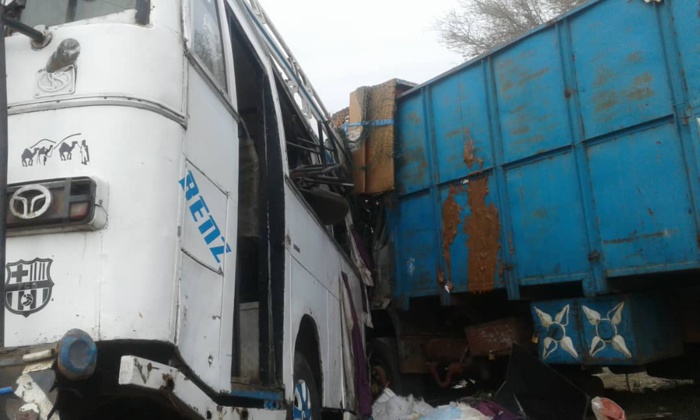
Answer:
[(58, 12), (207, 41), (307, 164)]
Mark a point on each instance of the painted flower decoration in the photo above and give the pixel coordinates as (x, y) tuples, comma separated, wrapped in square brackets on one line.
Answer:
[(606, 330), (556, 333)]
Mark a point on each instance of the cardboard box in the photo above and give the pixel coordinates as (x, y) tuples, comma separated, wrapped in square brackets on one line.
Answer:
[(371, 135)]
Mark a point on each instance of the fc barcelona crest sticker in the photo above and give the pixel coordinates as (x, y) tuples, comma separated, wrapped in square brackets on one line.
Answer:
[(28, 286)]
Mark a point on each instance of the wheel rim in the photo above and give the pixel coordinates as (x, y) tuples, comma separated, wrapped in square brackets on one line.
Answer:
[(302, 402)]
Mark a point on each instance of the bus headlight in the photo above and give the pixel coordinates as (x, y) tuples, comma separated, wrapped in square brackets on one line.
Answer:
[(56, 204)]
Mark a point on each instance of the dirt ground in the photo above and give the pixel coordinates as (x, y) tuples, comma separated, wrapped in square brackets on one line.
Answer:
[(646, 397)]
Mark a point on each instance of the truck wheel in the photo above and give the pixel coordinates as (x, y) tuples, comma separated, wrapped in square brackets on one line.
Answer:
[(385, 366), (307, 404)]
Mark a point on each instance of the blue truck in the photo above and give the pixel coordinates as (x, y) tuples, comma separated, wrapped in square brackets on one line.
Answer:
[(548, 193)]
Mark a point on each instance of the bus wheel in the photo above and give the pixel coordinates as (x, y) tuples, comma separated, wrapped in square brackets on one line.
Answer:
[(307, 404)]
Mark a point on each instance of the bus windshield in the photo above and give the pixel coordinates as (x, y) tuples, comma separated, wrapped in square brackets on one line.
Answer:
[(56, 12)]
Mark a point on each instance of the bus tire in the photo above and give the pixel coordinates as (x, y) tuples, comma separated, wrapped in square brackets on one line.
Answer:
[(307, 403)]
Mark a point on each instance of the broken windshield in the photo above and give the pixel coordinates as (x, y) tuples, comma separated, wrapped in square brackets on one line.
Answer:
[(56, 12)]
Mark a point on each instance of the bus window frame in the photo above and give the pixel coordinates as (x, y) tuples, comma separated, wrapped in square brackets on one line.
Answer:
[(188, 35), (142, 16)]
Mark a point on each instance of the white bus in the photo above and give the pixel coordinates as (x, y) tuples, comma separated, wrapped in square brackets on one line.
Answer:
[(177, 243)]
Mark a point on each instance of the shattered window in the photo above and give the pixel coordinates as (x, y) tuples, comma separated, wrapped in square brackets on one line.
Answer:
[(207, 43), (56, 12)]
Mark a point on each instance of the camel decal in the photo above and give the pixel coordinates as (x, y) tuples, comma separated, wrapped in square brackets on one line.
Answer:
[(36, 155), (41, 151), (66, 151), (28, 157)]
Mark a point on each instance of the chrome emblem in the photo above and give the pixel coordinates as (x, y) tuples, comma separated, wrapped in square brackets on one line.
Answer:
[(30, 201)]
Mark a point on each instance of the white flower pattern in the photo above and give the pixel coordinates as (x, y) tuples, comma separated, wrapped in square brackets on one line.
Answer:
[(556, 332), (606, 330)]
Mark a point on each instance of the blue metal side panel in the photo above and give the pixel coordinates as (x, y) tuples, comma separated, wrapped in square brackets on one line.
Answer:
[(412, 172), (687, 32), (585, 134), (417, 259), (461, 123), (540, 201), (620, 65), (531, 97), (643, 203)]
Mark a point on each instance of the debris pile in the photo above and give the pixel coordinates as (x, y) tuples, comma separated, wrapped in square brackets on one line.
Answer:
[(390, 406), (532, 391)]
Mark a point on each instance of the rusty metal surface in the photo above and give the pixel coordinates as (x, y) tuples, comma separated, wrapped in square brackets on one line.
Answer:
[(496, 338), (450, 223), (446, 350), (482, 228)]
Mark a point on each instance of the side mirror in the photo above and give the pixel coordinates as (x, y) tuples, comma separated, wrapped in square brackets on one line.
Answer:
[(330, 207)]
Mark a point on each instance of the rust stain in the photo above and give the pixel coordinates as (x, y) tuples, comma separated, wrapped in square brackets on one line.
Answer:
[(635, 57), (511, 248), (414, 118), (507, 85), (635, 237), (483, 231), (521, 129), (642, 79), (605, 100), (441, 277), (470, 152), (527, 78), (453, 133), (639, 94), (522, 78), (603, 75), (469, 157), (450, 223)]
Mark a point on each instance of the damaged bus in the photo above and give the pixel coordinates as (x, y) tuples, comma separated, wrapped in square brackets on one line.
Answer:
[(178, 241)]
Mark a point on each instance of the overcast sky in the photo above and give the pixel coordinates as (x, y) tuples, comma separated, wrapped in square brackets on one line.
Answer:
[(342, 45)]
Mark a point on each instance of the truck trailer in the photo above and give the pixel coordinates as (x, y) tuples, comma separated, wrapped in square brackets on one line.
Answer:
[(546, 193)]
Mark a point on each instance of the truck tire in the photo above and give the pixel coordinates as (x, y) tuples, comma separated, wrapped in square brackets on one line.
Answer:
[(384, 361), (307, 403)]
